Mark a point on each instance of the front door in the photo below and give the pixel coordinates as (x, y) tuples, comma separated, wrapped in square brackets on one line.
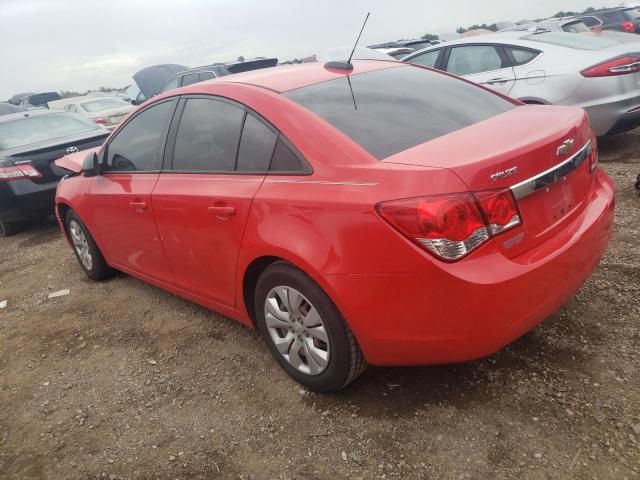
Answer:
[(482, 64), (220, 157), (121, 207)]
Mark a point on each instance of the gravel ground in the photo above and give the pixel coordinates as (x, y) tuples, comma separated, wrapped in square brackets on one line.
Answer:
[(121, 380)]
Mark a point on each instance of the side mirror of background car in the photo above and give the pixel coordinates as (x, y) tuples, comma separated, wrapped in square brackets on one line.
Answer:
[(91, 165)]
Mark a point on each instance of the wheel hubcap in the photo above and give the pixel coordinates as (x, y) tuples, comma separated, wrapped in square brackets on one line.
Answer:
[(297, 331), (81, 245)]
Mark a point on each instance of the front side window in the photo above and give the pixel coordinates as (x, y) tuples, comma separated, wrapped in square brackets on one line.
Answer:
[(427, 59), (208, 135), (473, 59), (139, 145), (256, 146)]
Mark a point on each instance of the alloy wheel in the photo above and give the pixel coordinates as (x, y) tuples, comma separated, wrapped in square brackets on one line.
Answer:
[(297, 330), (81, 244)]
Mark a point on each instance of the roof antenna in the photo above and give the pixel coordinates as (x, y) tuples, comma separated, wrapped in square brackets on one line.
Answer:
[(348, 65)]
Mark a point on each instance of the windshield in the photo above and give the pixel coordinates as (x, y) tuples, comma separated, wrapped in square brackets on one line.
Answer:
[(29, 130), (104, 104), (391, 110), (579, 42)]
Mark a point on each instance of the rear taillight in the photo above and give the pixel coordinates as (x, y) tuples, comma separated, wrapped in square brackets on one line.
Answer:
[(18, 172), (628, 27), (452, 226), (617, 66), (100, 120)]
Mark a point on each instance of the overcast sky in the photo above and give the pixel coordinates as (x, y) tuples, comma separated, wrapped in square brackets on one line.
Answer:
[(80, 44)]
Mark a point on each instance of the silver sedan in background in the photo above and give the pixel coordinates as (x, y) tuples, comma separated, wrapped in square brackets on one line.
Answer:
[(598, 74)]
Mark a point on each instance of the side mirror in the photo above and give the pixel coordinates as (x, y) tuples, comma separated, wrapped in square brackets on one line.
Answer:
[(91, 165)]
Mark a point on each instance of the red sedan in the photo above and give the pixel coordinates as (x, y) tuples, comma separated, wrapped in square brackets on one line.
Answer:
[(389, 215)]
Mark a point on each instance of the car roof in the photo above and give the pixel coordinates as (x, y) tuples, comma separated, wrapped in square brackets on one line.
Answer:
[(289, 77), (27, 114)]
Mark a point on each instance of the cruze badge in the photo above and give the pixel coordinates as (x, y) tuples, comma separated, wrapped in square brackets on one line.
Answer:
[(504, 174), (72, 150), (566, 147)]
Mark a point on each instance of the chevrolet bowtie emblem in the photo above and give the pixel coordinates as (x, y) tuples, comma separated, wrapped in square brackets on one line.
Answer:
[(566, 147)]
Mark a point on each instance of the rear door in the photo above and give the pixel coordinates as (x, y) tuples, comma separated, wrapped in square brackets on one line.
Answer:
[(220, 155), (120, 198), (483, 64)]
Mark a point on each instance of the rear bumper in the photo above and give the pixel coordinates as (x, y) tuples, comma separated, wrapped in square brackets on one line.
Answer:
[(617, 116), (470, 309), (21, 200)]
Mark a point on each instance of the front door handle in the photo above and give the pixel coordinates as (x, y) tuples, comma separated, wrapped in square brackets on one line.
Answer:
[(139, 207), (222, 212)]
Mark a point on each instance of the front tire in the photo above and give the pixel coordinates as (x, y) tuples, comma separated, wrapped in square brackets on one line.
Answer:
[(304, 330), (87, 252)]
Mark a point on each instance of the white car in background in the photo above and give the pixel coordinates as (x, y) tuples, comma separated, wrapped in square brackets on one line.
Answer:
[(541, 67), (105, 111)]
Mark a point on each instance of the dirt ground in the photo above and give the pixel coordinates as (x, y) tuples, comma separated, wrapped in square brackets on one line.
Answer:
[(122, 380)]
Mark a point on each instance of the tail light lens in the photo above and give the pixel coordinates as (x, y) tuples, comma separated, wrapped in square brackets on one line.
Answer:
[(18, 172), (629, 27), (100, 120), (452, 226), (617, 66)]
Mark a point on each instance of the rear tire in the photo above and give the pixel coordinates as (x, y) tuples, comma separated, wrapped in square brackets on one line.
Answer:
[(87, 252), (10, 228), (305, 331)]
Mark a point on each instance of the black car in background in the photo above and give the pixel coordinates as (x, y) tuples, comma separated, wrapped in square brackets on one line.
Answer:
[(159, 78), (209, 72), (29, 143), (624, 19)]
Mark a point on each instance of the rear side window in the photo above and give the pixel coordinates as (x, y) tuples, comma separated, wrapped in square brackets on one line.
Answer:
[(173, 83), (206, 76), (285, 160), (139, 145), (256, 146), (575, 27), (427, 59), (522, 56), (391, 110), (190, 79), (207, 136), (591, 21), (473, 59)]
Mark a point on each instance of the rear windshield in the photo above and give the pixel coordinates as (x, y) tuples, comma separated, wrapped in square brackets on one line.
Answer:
[(391, 110), (569, 40), (104, 104), (25, 131)]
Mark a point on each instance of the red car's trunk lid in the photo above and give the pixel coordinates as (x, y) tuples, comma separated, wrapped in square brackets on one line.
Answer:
[(511, 148)]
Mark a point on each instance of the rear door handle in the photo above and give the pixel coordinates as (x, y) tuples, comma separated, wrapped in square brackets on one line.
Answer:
[(222, 212), (139, 207), (497, 80)]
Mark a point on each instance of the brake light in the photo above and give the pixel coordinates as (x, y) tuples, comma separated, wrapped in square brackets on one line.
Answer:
[(628, 27), (100, 120), (452, 226), (617, 66), (18, 172)]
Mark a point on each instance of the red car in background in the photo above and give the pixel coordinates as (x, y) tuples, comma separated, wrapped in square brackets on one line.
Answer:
[(389, 214)]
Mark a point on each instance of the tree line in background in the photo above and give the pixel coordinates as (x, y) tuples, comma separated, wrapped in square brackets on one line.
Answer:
[(71, 93), (494, 28)]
